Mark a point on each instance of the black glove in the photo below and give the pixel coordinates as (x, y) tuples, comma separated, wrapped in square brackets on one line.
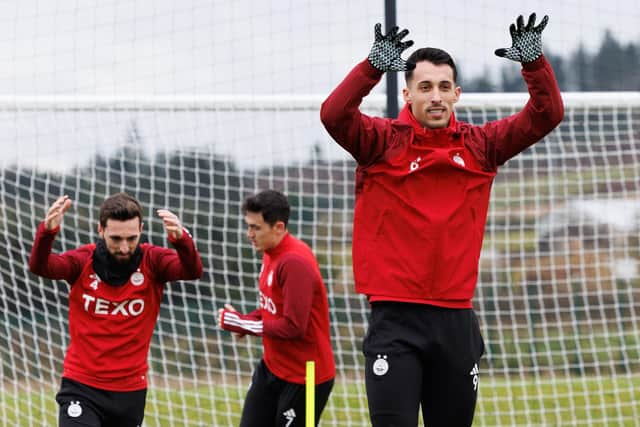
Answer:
[(386, 50), (527, 41)]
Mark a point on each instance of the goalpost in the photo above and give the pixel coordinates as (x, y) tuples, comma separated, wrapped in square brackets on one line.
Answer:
[(558, 296)]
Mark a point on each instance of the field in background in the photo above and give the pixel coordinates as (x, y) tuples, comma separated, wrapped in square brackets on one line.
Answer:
[(577, 402)]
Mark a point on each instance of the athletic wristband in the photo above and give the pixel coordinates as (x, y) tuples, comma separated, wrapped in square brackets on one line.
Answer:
[(234, 321)]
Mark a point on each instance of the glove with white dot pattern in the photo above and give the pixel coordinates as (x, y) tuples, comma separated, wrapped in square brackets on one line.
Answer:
[(527, 40), (386, 50)]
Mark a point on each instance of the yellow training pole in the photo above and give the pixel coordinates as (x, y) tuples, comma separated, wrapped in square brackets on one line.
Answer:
[(310, 391)]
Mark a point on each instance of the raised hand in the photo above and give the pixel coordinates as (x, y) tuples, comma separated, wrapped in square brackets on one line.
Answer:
[(527, 40), (56, 211), (171, 224), (386, 50)]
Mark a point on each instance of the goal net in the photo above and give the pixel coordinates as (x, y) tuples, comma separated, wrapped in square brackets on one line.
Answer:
[(558, 294), (98, 97)]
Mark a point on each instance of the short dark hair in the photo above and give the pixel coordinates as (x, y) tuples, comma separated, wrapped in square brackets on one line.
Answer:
[(120, 207), (272, 204), (435, 56)]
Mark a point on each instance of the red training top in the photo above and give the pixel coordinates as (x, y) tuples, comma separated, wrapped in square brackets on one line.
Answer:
[(422, 194), (293, 318), (111, 326)]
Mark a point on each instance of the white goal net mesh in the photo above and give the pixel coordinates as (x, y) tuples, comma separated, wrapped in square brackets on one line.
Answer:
[(558, 295), (97, 97)]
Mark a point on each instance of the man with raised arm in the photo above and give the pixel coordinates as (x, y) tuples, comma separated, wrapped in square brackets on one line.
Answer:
[(116, 287), (422, 188)]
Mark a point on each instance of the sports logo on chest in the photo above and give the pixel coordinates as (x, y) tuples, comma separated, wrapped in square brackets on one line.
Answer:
[(104, 307), (99, 298), (93, 281), (415, 164), (137, 278), (270, 279), (266, 303)]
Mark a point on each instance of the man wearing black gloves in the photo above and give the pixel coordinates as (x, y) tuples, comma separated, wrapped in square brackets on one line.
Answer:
[(423, 184)]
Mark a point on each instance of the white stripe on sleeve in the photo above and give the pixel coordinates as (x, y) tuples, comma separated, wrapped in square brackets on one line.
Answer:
[(233, 319)]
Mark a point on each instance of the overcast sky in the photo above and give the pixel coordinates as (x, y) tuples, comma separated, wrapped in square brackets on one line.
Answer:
[(261, 46), (247, 47)]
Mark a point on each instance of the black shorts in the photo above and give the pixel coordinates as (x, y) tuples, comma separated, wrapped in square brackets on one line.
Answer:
[(422, 355), (272, 402), (82, 405)]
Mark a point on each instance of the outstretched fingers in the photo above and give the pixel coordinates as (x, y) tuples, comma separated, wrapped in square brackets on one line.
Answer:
[(386, 51), (513, 31), (378, 31), (532, 22), (402, 34), (542, 24), (392, 33), (406, 45)]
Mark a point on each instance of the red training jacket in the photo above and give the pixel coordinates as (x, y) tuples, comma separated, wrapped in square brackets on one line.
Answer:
[(293, 317), (111, 326), (422, 194)]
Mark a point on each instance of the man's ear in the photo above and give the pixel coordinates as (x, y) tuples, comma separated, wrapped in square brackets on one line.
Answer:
[(406, 95), (100, 231), (280, 227), (457, 91)]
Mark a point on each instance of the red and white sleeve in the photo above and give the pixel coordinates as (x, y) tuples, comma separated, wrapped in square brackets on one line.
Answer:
[(237, 322)]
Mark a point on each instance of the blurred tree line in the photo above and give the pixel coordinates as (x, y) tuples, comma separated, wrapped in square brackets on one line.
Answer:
[(613, 67)]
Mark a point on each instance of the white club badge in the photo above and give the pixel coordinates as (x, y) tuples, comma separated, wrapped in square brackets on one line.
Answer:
[(458, 159), (381, 366), (74, 410), (414, 165), (137, 278)]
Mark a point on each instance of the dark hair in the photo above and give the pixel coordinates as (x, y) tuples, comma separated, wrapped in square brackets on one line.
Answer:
[(435, 56), (120, 207), (272, 204)]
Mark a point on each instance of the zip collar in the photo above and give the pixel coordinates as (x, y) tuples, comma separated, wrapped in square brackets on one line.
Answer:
[(424, 135)]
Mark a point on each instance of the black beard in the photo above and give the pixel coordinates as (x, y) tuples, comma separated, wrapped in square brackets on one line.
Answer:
[(111, 270)]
